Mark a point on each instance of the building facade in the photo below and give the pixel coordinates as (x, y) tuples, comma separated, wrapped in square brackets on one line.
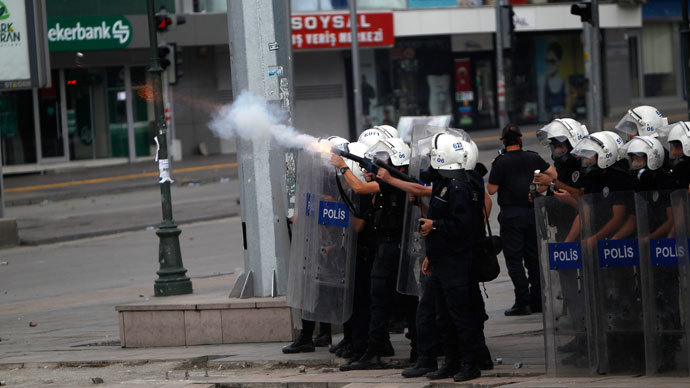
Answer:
[(418, 58)]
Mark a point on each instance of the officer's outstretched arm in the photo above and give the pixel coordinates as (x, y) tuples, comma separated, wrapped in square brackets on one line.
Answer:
[(360, 187), (551, 171), (409, 187)]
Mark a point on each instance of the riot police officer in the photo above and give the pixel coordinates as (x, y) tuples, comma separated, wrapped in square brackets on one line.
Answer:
[(679, 144), (451, 227), (511, 174), (562, 135)]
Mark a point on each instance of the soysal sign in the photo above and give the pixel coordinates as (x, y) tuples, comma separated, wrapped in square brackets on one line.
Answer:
[(89, 33)]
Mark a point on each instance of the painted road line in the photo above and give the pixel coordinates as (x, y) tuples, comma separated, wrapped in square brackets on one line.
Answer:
[(116, 178)]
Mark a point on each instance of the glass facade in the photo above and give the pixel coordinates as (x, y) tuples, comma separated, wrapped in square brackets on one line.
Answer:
[(17, 131), (658, 59)]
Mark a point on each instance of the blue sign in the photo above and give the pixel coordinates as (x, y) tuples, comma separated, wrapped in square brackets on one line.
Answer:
[(565, 255), (307, 205), (334, 214), (664, 252), (618, 253), (432, 3)]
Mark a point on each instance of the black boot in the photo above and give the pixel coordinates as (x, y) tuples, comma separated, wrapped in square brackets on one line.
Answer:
[(370, 360), (343, 342), (345, 351), (303, 344), (449, 369), (420, 369), (517, 310), (322, 340), (468, 371)]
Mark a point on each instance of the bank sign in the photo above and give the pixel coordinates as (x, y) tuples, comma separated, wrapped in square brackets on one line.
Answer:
[(89, 33)]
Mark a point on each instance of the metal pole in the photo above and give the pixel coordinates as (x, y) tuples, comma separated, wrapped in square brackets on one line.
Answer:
[(171, 275), (685, 57), (2, 189), (356, 77), (257, 41), (596, 88), (500, 75)]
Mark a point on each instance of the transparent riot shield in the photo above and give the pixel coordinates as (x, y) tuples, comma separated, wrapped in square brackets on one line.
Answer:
[(413, 249), (566, 312), (680, 207), (664, 331), (322, 259), (612, 279)]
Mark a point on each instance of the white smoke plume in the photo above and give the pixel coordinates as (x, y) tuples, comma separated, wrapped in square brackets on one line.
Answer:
[(251, 118)]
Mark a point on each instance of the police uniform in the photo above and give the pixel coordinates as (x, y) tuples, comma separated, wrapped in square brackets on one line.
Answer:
[(388, 212), (680, 173), (455, 210), (513, 172)]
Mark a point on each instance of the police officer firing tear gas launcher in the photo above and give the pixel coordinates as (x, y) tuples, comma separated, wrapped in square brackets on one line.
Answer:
[(378, 160)]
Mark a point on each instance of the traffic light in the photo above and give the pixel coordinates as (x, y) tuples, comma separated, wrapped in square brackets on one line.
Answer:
[(507, 25), (163, 21), (583, 10), (175, 71), (164, 55)]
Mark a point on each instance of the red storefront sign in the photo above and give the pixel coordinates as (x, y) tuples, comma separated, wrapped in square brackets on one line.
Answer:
[(319, 31)]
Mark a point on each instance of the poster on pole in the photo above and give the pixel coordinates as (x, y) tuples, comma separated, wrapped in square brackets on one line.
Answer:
[(23, 45)]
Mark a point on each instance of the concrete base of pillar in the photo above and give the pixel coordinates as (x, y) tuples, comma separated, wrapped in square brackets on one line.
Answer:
[(9, 234), (197, 319)]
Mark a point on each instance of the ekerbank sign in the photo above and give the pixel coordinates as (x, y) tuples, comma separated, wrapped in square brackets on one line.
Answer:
[(89, 33)]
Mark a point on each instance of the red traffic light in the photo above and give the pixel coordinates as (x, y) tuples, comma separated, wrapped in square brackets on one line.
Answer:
[(163, 22)]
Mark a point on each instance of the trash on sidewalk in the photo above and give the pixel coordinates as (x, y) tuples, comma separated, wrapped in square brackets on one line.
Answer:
[(302, 369), (224, 180), (3, 263), (97, 380), (150, 228), (33, 324), (517, 365), (499, 361)]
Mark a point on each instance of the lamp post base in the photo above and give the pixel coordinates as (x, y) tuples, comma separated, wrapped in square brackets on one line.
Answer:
[(171, 277)]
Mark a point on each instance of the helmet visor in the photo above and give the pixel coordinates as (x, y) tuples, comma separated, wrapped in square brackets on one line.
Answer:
[(554, 129), (586, 148), (629, 124)]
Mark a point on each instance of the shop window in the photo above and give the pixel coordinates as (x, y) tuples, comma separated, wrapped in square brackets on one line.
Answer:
[(17, 134), (52, 140), (657, 60)]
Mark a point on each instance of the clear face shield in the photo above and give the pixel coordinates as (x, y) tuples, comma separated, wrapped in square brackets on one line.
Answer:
[(587, 150), (629, 125), (676, 149), (559, 147)]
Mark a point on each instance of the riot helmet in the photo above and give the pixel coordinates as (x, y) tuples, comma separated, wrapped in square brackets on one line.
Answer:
[(448, 152), (644, 152), (338, 142), (472, 155), (374, 134), (679, 140), (562, 135), (394, 150), (643, 120), (600, 149)]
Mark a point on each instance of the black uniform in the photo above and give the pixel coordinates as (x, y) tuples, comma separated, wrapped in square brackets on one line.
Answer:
[(680, 173), (455, 209), (389, 209), (513, 171)]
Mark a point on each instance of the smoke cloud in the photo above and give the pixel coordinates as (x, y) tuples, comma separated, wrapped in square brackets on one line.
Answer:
[(251, 118)]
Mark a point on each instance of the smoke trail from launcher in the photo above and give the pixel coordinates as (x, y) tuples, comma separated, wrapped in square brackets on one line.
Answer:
[(251, 118)]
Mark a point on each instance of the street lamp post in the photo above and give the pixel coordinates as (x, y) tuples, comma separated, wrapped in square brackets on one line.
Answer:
[(171, 275)]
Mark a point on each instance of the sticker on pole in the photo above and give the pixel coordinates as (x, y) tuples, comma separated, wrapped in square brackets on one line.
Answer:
[(664, 252), (565, 255), (618, 253), (334, 214)]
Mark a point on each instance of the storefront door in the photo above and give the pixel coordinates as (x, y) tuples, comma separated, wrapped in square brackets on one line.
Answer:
[(474, 102), (52, 134)]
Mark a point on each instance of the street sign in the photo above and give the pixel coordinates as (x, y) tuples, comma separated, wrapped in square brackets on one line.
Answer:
[(24, 59), (320, 31)]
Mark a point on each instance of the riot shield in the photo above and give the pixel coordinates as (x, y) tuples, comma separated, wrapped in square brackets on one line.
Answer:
[(413, 249), (612, 279), (324, 242), (566, 312), (680, 207), (664, 332)]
